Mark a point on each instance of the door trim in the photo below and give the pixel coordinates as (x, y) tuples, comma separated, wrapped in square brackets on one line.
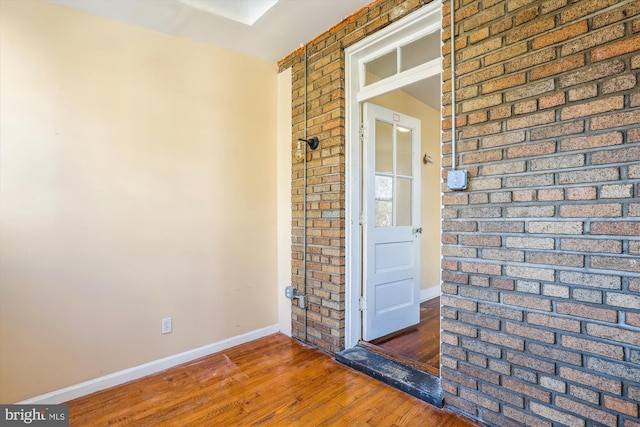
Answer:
[(413, 25)]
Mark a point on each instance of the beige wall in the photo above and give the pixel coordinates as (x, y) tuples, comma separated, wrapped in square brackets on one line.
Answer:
[(430, 178), (137, 182), (284, 199)]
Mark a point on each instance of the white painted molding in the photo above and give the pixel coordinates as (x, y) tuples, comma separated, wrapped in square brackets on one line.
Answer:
[(429, 293), (126, 375)]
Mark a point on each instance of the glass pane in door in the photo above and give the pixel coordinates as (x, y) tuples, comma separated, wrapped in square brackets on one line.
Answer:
[(403, 202), (403, 148), (384, 147), (384, 201)]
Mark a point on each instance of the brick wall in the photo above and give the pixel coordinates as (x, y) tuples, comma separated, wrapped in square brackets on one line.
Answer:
[(541, 255), (326, 170), (541, 272)]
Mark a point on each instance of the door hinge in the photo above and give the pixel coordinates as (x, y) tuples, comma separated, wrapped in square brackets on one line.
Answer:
[(362, 133), (362, 303), (363, 218)]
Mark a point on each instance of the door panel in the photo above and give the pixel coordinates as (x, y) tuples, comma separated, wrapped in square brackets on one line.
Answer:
[(391, 191)]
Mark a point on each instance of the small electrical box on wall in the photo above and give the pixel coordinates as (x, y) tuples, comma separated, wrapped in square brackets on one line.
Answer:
[(457, 180)]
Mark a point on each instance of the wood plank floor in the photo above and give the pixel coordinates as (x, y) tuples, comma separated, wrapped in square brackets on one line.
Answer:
[(273, 381), (419, 345)]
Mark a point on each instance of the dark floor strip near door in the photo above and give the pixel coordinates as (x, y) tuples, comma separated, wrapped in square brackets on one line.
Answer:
[(409, 379)]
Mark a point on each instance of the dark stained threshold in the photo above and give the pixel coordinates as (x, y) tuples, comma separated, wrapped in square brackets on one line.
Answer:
[(409, 379)]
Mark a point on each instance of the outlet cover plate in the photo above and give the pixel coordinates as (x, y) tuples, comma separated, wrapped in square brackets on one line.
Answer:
[(166, 325), (457, 179)]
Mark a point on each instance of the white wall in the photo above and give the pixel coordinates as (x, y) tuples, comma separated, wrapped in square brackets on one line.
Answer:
[(138, 181)]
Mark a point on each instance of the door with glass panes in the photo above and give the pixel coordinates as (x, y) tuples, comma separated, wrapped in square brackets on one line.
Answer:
[(391, 231)]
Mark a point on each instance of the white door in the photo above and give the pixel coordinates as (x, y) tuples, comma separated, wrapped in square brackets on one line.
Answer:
[(391, 255)]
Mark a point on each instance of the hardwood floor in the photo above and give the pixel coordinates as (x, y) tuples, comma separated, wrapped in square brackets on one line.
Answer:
[(273, 381), (419, 345)]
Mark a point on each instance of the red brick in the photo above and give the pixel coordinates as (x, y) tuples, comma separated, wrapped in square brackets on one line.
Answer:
[(593, 347), (594, 72), (627, 228), (587, 311), (554, 353), (531, 120), (618, 155), (555, 322), (525, 418), (530, 90), (502, 139), (557, 67), (526, 16), (589, 379), (594, 38), (633, 319), (581, 193), (483, 17), (506, 53), (525, 107), (531, 333), (602, 210), (531, 362), (482, 156), (614, 263), (592, 108), (502, 340), (480, 373), (481, 48), (621, 13), (560, 417), (481, 75), (535, 58), (491, 269), (560, 35), (622, 406), (531, 150), (503, 83), (551, 101), (525, 31), (503, 395), (457, 378), (591, 141), (528, 390), (615, 49), (616, 120), (550, 195), (584, 8), (553, 131), (583, 92), (590, 412), (480, 400), (619, 83), (592, 245)]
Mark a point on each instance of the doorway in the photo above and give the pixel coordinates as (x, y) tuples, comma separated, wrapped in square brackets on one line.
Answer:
[(397, 69)]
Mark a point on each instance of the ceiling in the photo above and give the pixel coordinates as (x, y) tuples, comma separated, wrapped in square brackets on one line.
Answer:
[(283, 28)]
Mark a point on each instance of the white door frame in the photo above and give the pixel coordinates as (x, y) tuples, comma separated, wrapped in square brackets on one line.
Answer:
[(415, 25)]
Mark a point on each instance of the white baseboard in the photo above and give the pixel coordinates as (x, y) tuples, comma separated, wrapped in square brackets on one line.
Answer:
[(126, 375), (429, 293)]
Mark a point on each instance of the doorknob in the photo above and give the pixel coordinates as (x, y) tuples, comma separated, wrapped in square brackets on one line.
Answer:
[(417, 230)]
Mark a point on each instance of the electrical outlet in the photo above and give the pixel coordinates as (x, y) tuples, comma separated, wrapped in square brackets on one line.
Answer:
[(166, 325), (290, 292)]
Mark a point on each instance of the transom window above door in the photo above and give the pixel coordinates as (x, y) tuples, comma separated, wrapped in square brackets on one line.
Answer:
[(403, 58)]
